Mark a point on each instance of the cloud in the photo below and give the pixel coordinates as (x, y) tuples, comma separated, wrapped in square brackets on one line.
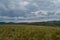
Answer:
[(55, 1), (40, 12), (13, 4), (29, 9)]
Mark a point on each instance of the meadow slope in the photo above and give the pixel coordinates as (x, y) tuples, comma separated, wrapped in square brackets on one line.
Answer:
[(28, 32)]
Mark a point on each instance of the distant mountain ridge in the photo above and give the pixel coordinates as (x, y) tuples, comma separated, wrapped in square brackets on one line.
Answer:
[(48, 23), (44, 23)]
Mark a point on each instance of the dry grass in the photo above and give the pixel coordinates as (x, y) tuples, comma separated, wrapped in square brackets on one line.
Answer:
[(28, 32)]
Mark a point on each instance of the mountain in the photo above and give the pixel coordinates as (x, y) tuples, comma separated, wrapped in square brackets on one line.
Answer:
[(43, 23)]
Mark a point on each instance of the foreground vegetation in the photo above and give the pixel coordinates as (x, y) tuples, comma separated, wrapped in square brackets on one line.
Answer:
[(28, 32)]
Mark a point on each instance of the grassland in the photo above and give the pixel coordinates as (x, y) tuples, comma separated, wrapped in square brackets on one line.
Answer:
[(28, 32)]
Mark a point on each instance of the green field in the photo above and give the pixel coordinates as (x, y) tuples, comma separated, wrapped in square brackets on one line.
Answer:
[(28, 32)]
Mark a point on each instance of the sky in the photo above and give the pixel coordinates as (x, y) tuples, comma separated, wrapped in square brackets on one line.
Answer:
[(11, 10)]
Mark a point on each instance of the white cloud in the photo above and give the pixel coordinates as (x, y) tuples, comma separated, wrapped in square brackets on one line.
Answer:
[(40, 13), (14, 18), (55, 1), (2, 6), (23, 4), (14, 4), (30, 8), (35, 4)]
